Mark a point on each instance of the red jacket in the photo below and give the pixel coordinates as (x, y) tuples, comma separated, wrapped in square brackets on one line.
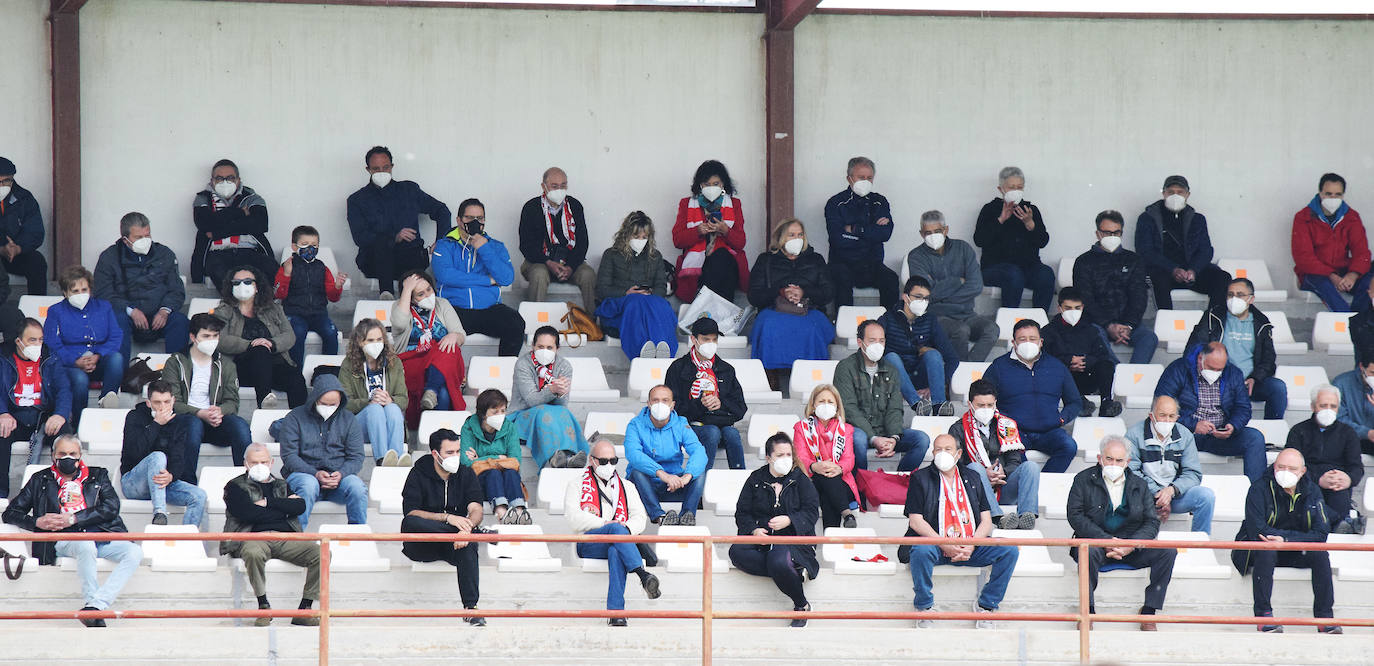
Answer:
[(684, 239), (1319, 249), (846, 461)]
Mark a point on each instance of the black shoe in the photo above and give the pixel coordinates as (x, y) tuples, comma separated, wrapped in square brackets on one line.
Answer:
[(476, 621), (1270, 628), (1109, 409), (1334, 629), (801, 621), (669, 518), (97, 622), (945, 408), (159, 519), (686, 519), (618, 622), (1088, 409), (650, 584), (849, 521), (923, 407)]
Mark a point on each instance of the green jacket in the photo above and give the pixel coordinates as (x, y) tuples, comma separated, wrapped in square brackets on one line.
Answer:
[(232, 342), (355, 385), (224, 382), (504, 442), (875, 405)]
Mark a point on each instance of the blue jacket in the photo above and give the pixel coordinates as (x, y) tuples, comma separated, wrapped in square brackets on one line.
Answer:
[(1149, 239), (649, 449), (1031, 396), (903, 341), (864, 241), (20, 219), (377, 214), (465, 276), (1179, 382), (70, 332), (56, 389), (1356, 410)]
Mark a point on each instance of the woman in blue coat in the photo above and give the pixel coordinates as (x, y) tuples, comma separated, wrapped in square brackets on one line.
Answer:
[(82, 331)]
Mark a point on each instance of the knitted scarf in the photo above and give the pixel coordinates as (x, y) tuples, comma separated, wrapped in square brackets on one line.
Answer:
[(696, 255), (1007, 436), (706, 376), (813, 439), (70, 496), (590, 499), (543, 374), (569, 225)]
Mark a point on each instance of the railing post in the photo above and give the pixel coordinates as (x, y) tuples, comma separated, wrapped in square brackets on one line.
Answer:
[(324, 601), (708, 550), (1084, 621)]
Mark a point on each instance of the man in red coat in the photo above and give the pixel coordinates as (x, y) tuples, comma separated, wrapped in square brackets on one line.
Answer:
[(1330, 250)]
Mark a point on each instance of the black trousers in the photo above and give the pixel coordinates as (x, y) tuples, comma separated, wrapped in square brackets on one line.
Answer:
[(835, 497), (1096, 379), (1262, 578), (720, 272), (1211, 281), (499, 321), (265, 370), (1159, 560), (776, 563), (218, 263), (387, 262), (465, 558), (848, 275), (33, 267)]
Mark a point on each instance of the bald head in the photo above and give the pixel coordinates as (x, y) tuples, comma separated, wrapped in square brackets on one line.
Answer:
[(603, 449), (1292, 460), (1213, 357), (946, 443), (554, 179)]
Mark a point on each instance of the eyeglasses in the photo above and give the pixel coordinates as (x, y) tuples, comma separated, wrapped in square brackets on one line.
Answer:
[(469, 218), (243, 281), (1118, 232), (607, 461), (225, 179)]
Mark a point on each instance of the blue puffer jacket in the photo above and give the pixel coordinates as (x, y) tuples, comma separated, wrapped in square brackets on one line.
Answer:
[(56, 389), (649, 448), (906, 337), (1179, 382), (1149, 239), (70, 332), (465, 276), (1031, 396)]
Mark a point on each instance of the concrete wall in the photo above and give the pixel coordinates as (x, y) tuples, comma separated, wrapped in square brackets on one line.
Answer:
[(26, 118)]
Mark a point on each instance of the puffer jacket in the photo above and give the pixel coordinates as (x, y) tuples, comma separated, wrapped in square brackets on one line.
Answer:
[(1213, 325), (773, 271), (798, 500), (649, 448), (147, 282)]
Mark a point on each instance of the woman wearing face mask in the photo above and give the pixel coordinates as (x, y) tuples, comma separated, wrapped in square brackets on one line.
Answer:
[(632, 291), (426, 335), (258, 336), (375, 382), (778, 500), (790, 286), (825, 452), (83, 333), (538, 406), (710, 232), (491, 447)]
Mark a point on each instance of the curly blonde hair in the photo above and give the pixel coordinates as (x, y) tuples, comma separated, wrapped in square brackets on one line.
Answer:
[(634, 223)]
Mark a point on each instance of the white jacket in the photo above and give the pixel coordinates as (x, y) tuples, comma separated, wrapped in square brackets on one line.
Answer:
[(583, 521)]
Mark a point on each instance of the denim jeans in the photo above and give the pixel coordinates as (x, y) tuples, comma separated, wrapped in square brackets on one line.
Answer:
[(1057, 444), (931, 373), (924, 559), (125, 554), (1274, 394), (174, 334), (713, 438), (351, 492), (502, 487), (320, 324), (652, 491), (138, 484), (1023, 484), (621, 558), (1333, 298), (912, 444), (384, 428), (232, 432), (1013, 280), (109, 370), (1143, 344), (1199, 501), (1247, 443), (434, 381)]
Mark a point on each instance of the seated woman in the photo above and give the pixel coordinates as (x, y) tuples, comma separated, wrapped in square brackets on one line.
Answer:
[(632, 291), (825, 452), (778, 500), (375, 383), (258, 336), (538, 405), (84, 334), (790, 286), (426, 334), (491, 447), (710, 231)]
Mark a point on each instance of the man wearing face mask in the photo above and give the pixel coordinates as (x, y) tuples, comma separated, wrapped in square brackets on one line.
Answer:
[(554, 241), (992, 448), (231, 227), (1105, 502), (206, 385), (951, 267), (859, 221), (1357, 400), (140, 279), (1115, 293), (1331, 450), (1082, 347), (667, 461), (871, 393), (1165, 455), (152, 461), (384, 218), (1213, 404), (1033, 386), (1285, 505), (37, 402), (1172, 239), (441, 495), (916, 345), (1249, 340), (322, 451), (1012, 233), (713, 400), (21, 234), (471, 267), (1330, 248)]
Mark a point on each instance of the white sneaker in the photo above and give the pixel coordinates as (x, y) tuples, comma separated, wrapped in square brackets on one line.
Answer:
[(269, 402), (404, 461), (663, 350), (389, 460), (925, 624), (110, 400), (648, 350), (989, 623)]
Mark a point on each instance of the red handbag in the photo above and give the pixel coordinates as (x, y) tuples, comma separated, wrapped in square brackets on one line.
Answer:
[(879, 487)]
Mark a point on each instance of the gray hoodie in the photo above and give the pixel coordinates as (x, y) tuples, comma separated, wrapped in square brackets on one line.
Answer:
[(311, 444)]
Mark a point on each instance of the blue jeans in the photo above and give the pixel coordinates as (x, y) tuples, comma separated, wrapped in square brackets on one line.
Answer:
[(1246, 442), (1023, 483), (1143, 344), (621, 558), (109, 370), (351, 492), (384, 428), (1198, 501), (714, 437), (1274, 394), (924, 559), (931, 373), (175, 333), (912, 444), (232, 432), (1057, 444), (127, 556), (1013, 280), (502, 487), (320, 324), (138, 484), (652, 491), (1333, 298), (434, 381)]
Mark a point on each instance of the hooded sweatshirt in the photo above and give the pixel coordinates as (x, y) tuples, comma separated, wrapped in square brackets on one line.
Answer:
[(310, 443)]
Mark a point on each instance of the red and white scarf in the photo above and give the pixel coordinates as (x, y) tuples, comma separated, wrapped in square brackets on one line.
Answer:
[(543, 374), (815, 438), (426, 328), (70, 495), (569, 224), (696, 255), (706, 376), (956, 512), (28, 387), (1008, 437), (590, 498), (228, 242)]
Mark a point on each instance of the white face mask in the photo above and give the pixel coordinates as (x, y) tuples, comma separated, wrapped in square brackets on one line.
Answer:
[(1028, 351), (794, 246), (260, 472), (428, 302), (373, 349), (545, 356), (918, 306), (862, 187), (556, 197), (638, 244), (825, 411), (226, 189), (935, 241), (712, 192), (1110, 243), (874, 352), (660, 411), (1163, 428), (381, 179), (944, 461), (984, 415), (207, 347), (707, 350), (452, 463), (781, 466), (495, 421), (1211, 376), (244, 292), (1325, 417), (605, 472), (79, 301), (1071, 317), (4, 191), (1113, 473), (326, 411), (1369, 381), (1236, 306), (1014, 197), (32, 352), (1175, 202), (142, 245), (1331, 206), (1286, 479)]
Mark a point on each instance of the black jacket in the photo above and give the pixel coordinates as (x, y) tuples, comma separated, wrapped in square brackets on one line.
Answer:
[(1113, 286), (242, 514), (1306, 518), (146, 282), (923, 497), (798, 501), (246, 215), (1362, 335), (682, 372), (773, 271), (1010, 460), (143, 435), (1009, 242), (425, 491), (1338, 447), (1212, 326), (534, 235), (1063, 341), (1089, 503), (38, 497)]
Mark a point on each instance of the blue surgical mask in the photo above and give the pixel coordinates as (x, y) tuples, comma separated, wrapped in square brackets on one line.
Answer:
[(308, 253)]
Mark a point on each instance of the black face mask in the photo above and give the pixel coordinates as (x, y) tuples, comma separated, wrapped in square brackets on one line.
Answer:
[(473, 228), (68, 466)]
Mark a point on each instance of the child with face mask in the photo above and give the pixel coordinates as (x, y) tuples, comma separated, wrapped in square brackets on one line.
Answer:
[(306, 286)]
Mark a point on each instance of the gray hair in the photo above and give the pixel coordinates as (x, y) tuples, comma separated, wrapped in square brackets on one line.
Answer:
[(131, 220), (1115, 439), (856, 162), (65, 437), (1325, 388), (257, 446), (932, 216), (1009, 172)]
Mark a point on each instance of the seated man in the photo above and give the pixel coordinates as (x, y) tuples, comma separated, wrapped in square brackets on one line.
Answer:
[(384, 218), (951, 268), (858, 221), (153, 463), (140, 279), (713, 400), (1357, 401), (1082, 347), (1249, 340), (1165, 455), (1172, 239), (231, 227), (257, 501), (1032, 386), (471, 267), (1115, 293), (991, 445), (441, 495), (35, 397), (322, 451), (655, 443), (554, 241), (869, 390), (918, 348), (1012, 232), (1331, 249), (598, 502), (1331, 450), (205, 384), (1285, 505), (1213, 404), (946, 500), (21, 233), (71, 497), (1107, 503)]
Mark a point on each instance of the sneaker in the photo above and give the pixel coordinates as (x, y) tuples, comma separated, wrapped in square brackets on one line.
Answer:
[(429, 399), (1026, 522), (849, 522), (1009, 521), (945, 408), (509, 517), (306, 621), (1109, 409), (269, 402), (801, 621), (524, 517), (687, 519), (1334, 629), (559, 459), (923, 623), (476, 621), (650, 584), (1270, 628), (386, 296), (922, 407), (97, 622), (988, 623), (648, 351), (404, 460), (578, 461), (1343, 527), (1088, 408), (390, 459), (662, 350), (618, 622), (159, 518), (669, 518), (110, 400), (263, 621)]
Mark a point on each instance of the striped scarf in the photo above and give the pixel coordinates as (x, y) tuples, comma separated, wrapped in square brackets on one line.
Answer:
[(696, 255), (569, 225), (706, 376), (814, 439)]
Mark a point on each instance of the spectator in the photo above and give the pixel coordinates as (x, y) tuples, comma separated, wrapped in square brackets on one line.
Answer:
[(322, 452), (1107, 503), (71, 497), (858, 221), (1171, 237), (666, 460), (206, 386), (603, 502), (869, 391), (1033, 386), (1362, 330), (920, 350), (153, 463), (1331, 450), (471, 267), (791, 287), (1082, 347), (384, 217), (710, 232), (1165, 455), (825, 452), (539, 404), (140, 280), (951, 268), (778, 500), (441, 496), (258, 336), (1249, 340), (632, 289), (1112, 282), (231, 228), (712, 398), (257, 501), (82, 331), (1330, 249), (1212, 403), (554, 241), (1357, 402), (998, 457), (305, 298), (1284, 504), (1011, 232), (37, 405), (21, 223), (426, 335), (491, 447), (375, 383)]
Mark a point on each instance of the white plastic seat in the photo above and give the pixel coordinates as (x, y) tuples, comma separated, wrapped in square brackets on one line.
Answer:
[(807, 375), (1301, 379), (553, 483), (1352, 565), (1134, 383), (522, 556), (646, 373), (1283, 335), (967, 373), (686, 557), (848, 318), (1007, 318), (37, 306), (1054, 494), (201, 306), (589, 381), (259, 427), (1031, 561), (212, 480), (1230, 491), (385, 488), (29, 471), (606, 423), (721, 490), (933, 426), (548, 313), (434, 419), (1088, 433), (1197, 562), (1174, 326), (326, 255), (488, 372), (176, 555), (379, 310), (102, 430), (1275, 431), (312, 361), (1257, 272), (1187, 296), (763, 426), (156, 361), (841, 555), (1331, 333), (749, 372), (346, 556), (1064, 278)]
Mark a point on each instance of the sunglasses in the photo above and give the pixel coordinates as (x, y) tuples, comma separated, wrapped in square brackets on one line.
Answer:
[(607, 461), (243, 281)]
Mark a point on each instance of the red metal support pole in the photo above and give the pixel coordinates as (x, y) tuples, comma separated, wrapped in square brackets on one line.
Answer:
[(779, 102), (1084, 619), (708, 551), (324, 601), (65, 41)]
